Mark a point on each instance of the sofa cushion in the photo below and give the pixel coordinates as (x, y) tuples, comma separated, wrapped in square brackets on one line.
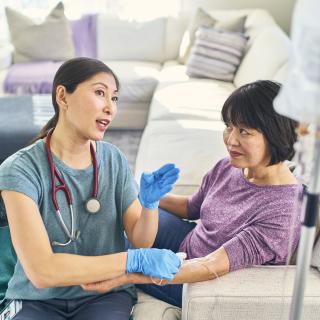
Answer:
[(266, 54), (131, 115), (262, 293), (195, 99), (194, 146), (149, 308), (138, 79), (50, 40), (130, 40)]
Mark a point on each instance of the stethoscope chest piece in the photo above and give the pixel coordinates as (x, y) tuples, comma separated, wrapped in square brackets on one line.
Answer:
[(93, 205)]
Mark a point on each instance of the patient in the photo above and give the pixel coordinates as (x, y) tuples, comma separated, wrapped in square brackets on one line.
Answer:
[(244, 205)]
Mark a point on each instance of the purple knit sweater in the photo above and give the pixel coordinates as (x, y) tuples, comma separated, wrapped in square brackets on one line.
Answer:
[(251, 222)]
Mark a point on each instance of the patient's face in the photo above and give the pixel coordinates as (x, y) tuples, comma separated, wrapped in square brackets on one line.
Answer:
[(247, 147)]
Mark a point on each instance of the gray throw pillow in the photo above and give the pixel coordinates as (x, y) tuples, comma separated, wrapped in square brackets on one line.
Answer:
[(216, 54), (202, 18), (50, 40)]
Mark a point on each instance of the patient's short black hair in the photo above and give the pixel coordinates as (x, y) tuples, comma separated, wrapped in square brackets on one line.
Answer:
[(251, 105)]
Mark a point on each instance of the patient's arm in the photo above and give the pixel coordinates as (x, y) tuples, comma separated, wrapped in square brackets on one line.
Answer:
[(194, 270), (175, 204)]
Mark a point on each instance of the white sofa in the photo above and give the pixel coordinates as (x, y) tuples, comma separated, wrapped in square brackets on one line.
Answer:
[(181, 117)]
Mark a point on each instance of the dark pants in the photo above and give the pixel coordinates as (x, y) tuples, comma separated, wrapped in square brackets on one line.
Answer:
[(109, 306), (171, 232)]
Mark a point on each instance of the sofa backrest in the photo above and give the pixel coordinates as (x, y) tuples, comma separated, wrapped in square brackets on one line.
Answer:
[(267, 52), (155, 40)]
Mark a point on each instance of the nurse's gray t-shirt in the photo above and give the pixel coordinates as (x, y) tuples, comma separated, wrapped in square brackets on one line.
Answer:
[(27, 171)]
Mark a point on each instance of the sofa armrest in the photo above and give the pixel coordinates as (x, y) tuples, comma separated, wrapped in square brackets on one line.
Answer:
[(6, 51), (262, 293)]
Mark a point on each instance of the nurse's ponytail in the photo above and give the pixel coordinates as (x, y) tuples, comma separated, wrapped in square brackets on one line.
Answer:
[(70, 74), (48, 126)]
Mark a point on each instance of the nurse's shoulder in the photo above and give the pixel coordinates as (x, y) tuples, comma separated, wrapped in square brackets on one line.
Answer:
[(31, 158)]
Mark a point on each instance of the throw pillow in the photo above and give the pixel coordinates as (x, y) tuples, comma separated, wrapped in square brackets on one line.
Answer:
[(203, 18), (216, 54), (50, 40)]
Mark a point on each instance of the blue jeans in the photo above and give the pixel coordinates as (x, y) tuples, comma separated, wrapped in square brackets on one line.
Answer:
[(171, 232), (109, 306)]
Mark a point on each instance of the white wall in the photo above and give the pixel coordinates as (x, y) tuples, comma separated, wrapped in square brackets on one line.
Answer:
[(281, 10)]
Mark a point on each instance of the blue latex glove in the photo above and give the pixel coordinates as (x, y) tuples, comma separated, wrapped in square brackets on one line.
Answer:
[(158, 263), (155, 185)]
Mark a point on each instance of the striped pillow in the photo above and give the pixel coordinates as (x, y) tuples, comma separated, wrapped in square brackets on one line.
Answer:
[(216, 54)]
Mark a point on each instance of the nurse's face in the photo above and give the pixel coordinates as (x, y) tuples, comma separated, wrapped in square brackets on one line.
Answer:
[(92, 106), (247, 147)]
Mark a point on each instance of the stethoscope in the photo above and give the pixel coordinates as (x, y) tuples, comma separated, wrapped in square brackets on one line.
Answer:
[(92, 205)]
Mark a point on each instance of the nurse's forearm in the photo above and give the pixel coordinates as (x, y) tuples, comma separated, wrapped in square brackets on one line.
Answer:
[(62, 269), (145, 229)]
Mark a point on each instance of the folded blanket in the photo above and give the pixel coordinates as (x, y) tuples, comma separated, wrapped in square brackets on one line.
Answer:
[(84, 36), (31, 78)]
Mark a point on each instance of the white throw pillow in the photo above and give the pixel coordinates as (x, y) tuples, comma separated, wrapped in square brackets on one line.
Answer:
[(49, 41)]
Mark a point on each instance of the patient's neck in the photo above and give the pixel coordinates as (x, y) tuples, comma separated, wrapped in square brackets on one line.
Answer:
[(277, 174)]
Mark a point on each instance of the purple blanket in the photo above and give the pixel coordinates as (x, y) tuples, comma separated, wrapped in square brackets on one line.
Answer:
[(84, 36), (37, 77), (31, 78)]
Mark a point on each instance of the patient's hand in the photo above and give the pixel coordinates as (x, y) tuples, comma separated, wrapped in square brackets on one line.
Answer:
[(108, 285)]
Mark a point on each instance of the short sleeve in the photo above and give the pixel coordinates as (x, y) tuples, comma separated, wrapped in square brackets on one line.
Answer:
[(18, 175)]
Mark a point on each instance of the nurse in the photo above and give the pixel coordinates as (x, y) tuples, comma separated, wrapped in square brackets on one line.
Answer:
[(69, 198)]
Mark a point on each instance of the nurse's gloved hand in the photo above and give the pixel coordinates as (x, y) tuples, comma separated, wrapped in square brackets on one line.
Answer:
[(158, 263), (155, 185)]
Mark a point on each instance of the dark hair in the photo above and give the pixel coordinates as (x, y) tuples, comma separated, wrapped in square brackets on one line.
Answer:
[(70, 74), (251, 105)]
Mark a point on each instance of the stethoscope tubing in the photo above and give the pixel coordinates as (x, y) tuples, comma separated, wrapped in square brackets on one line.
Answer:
[(63, 187)]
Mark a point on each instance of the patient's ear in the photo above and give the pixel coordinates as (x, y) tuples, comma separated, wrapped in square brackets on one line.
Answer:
[(61, 97)]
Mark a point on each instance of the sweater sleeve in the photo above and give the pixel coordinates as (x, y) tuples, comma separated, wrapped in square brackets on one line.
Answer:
[(195, 201), (263, 242)]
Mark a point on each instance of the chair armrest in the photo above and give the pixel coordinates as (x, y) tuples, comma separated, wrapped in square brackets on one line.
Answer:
[(6, 51), (262, 293)]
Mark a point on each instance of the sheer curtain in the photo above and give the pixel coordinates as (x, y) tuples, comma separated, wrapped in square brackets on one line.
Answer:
[(135, 9), (132, 9)]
